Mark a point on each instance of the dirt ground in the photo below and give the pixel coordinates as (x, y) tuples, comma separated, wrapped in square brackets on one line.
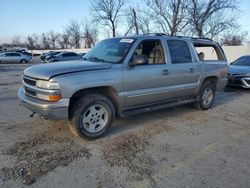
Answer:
[(176, 147)]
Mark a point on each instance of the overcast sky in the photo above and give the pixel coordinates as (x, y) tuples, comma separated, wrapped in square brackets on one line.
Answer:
[(24, 17)]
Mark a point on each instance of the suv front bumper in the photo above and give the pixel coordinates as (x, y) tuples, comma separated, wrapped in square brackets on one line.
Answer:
[(50, 110)]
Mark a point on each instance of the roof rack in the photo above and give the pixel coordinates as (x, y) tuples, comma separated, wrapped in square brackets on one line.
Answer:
[(195, 38), (156, 34), (178, 36)]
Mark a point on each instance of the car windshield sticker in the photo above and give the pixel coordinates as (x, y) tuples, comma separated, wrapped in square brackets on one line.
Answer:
[(127, 40)]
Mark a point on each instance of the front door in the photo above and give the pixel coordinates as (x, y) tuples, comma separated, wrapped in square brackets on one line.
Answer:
[(147, 83)]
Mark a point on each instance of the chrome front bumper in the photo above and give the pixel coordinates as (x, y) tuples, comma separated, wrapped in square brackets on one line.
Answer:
[(50, 110)]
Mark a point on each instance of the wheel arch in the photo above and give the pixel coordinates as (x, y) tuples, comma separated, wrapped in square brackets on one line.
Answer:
[(107, 91), (213, 79)]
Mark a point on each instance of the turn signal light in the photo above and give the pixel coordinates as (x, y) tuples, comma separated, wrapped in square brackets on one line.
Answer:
[(54, 98)]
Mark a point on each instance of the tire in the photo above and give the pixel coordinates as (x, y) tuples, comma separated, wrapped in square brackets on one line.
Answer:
[(206, 96), (23, 61), (93, 114)]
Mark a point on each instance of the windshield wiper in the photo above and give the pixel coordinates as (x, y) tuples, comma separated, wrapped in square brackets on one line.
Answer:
[(95, 59)]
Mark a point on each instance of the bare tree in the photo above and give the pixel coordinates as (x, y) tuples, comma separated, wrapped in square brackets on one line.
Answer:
[(132, 21), (53, 39), (208, 18), (64, 41), (74, 32), (16, 41), (107, 12), (144, 22), (45, 41), (138, 21), (233, 39), (32, 42), (89, 35), (170, 15)]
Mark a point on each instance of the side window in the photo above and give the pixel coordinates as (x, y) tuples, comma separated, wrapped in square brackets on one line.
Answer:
[(208, 52), (8, 55), (152, 49), (65, 55), (179, 51), (72, 54), (15, 55)]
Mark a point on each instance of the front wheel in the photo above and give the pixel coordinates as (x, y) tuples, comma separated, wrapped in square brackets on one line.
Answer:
[(206, 96), (92, 116)]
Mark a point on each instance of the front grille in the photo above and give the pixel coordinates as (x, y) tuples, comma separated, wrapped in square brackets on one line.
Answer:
[(29, 81), (28, 84), (236, 81), (30, 92)]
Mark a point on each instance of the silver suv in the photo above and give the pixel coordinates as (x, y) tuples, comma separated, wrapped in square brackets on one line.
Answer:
[(125, 76)]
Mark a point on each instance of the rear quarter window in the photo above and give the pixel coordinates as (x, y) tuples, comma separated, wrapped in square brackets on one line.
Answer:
[(209, 52)]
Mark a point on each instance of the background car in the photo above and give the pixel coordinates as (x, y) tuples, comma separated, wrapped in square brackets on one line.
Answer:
[(43, 55), (14, 57), (82, 54), (65, 56), (51, 55), (239, 72)]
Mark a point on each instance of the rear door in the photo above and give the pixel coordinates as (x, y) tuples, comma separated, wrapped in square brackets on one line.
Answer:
[(185, 69)]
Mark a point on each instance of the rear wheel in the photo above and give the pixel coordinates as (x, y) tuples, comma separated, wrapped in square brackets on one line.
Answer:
[(93, 114), (206, 96), (23, 61)]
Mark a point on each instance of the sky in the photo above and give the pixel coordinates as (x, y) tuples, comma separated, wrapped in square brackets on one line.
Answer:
[(25, 17)]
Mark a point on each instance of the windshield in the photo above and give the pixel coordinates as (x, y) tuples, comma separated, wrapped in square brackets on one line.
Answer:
[(110, 50), (242, 61)]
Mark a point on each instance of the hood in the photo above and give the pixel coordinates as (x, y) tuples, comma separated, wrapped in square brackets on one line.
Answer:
[(236, 69), (46, 71)]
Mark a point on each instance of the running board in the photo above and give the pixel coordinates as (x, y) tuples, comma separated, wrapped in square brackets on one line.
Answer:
[(155, 107)]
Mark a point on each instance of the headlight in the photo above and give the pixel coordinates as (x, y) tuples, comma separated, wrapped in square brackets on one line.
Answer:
[(47, 84)]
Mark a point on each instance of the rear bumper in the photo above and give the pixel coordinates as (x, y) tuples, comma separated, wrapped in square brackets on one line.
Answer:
[(50, 110)]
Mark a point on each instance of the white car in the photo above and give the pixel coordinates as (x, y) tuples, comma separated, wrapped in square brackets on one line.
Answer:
[(14, 57)]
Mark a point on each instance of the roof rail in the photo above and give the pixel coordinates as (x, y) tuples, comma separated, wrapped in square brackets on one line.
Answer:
[(156, 34), (178, 36)]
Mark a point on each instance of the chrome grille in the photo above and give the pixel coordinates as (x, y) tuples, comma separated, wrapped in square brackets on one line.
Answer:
[(29, 81), (30, 92)]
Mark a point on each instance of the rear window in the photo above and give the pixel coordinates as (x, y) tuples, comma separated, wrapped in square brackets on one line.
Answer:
[(179, 51)]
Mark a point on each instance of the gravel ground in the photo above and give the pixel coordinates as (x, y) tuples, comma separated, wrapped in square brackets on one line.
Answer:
[(176, 147)]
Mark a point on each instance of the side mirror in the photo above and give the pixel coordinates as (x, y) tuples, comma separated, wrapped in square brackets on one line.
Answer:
[(139, 60)]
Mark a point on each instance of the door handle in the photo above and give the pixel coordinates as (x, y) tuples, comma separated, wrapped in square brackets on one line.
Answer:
[(165, 72), (191, 70)]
